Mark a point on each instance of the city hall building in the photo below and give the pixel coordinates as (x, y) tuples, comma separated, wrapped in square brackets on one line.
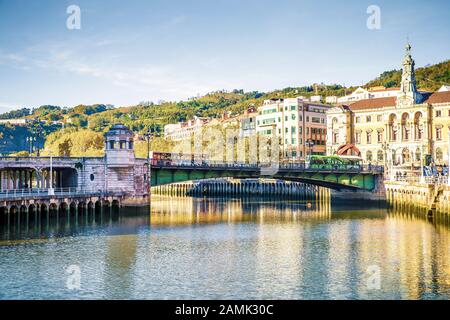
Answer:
[(397, 131)]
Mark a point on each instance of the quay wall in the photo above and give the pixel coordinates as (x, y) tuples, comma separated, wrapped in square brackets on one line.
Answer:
[(242, 187), (433, 198)]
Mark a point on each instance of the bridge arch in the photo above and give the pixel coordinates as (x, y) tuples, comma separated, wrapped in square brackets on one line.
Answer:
[(81, 207), (63, 207), (73, 208), (44, 208), (23, 209), (53, 208), (90, 207), (32, 208), (98, 207)]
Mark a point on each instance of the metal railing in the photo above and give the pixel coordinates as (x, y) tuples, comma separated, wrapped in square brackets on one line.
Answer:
[(437, 180), (36, 193), (255, 166)]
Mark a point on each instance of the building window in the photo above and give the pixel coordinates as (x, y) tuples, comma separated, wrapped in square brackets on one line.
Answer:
[(438, 133), (368, 119), (369, 156), (293, 116), (130, 145), (294, 141), (369, 137), (438, 113), (439, 155), (335, 137), (293, 130), (122, 144), (358, 137), (380, 155), (92, 177), (379, 118), (358, 119), (379, 136)]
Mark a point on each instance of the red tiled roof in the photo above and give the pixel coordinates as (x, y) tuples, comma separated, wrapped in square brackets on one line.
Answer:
[(373, 103), (438, 97), (431, 98)]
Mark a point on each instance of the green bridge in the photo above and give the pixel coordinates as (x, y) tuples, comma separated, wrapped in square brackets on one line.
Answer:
[(364, 178)]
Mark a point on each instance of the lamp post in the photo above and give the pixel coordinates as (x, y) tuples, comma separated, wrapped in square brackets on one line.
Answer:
[(448, 166), (385, 147), (30, 140), (51, 191), (38, 133), (148, 137)]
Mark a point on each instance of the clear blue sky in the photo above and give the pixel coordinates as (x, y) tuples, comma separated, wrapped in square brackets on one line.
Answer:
[(135, 50)]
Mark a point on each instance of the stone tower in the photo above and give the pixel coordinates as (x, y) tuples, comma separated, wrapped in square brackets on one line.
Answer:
[(119, 146), (408, 94), (120, 160)]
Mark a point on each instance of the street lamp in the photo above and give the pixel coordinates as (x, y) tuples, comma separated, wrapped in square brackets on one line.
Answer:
[(38, 133), (30, 140), (148, 137), (51, 191), (385, 146)]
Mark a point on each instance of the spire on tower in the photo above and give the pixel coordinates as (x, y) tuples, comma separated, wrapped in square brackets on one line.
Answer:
[(408, 94)]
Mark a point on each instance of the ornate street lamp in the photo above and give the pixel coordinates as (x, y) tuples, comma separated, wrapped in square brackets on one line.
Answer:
[(385, 146), (148, 136)]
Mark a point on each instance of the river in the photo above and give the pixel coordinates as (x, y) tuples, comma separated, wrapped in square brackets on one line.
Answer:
[(195, 248)]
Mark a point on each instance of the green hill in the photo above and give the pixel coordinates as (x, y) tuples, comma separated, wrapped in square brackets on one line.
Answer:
[(147, 115), (428, 78)]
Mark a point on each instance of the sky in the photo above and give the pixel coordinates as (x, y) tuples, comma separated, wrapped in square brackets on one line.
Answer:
[(130, 51)]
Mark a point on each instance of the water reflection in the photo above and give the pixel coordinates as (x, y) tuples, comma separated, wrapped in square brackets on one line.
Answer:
[(229, 248), (188, 211)]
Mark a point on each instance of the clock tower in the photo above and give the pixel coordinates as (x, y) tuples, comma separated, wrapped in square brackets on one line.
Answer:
[(408, 94)]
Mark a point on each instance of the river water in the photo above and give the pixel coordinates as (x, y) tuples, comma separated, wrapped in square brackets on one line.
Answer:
[(187, 248)]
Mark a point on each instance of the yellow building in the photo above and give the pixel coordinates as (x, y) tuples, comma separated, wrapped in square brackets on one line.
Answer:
[(397, 131)]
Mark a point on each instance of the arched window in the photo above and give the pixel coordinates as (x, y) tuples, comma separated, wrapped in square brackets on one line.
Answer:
[(405, 126), (358, 137), (369, 137), (379, 136), (418, 126), (380, 155), (405, 156), (439, 155), (418, 154), (369, 157), (392, 127)]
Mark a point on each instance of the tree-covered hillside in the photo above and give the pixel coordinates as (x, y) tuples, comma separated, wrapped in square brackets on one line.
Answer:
[(83, 122), (428, 78)]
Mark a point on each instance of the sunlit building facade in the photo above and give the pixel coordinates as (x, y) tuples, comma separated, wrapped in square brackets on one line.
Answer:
[(398, 131), (300, 126)]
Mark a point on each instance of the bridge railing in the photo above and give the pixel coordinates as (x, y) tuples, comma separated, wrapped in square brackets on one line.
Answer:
[(437, 180), (285, 166), (57, 192)]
